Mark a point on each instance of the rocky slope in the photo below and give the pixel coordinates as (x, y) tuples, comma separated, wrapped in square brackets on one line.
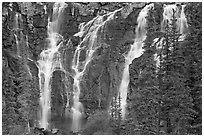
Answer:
[(25, 36), (108, 27)]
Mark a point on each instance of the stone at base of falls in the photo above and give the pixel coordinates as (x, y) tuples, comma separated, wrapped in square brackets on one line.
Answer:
[(42, 131), (55, 131), (75, 133)]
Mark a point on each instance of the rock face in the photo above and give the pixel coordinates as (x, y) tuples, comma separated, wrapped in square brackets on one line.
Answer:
[(25, 35), (103, 74)]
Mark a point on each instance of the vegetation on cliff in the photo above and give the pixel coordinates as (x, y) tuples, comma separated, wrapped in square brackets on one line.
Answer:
[(162, 99)]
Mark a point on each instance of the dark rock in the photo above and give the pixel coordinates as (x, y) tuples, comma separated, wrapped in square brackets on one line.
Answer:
[(75, 40), (103, 73), (40, 21), (55, 131), (16, 7), (33, 67), (38, 131), (59, 94)]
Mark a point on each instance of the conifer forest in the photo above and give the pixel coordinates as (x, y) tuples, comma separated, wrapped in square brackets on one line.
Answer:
[(101, 68)]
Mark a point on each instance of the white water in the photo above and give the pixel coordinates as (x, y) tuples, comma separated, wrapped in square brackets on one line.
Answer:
[(50, 58), (182, 26), (179, 14), (135, 52), (21, 41), (17, 30), (49, 61), (90, 43), (182, 23), (79, 68)]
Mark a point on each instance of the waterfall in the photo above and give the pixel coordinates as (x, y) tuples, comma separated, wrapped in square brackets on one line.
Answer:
[(134, 52), (180, 16), (21, 41), (50, 58), (79, 68), (89, 34), (17, 30), (182, 26), (48, 62)]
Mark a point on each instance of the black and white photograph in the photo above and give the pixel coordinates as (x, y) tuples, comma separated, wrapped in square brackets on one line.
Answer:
[(101, 68)]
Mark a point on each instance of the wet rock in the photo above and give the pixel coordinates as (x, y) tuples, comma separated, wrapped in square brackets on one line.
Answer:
[(55, 131), (42, 131), (58, 94), (103, 73), (38, 131)]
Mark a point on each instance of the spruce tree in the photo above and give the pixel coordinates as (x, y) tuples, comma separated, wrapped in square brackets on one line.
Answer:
[(176, 99), (192, 51), (144, 91)]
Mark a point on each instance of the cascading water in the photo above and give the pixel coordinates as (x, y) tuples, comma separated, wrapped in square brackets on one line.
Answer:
[(49, 61), (50, 57), (17, 31), (135, 52), (182, 25), (180, 16), (21, 41), (79, 67)]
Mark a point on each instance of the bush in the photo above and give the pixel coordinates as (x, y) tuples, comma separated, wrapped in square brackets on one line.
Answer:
[(98, 124)]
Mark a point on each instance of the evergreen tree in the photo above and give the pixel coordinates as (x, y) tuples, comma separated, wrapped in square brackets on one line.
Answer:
[(116, 113), (176, 99), (192, 51), (20, 96), (10, 114), (160, 101), (144, 92), (28, 99)]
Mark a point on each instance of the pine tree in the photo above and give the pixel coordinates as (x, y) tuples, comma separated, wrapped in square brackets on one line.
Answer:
[(192, 51), (176, 99), (28, 99), (144, 92), (20, 94), (164, 86), (119, 113), (116, 113), (10, 114)]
